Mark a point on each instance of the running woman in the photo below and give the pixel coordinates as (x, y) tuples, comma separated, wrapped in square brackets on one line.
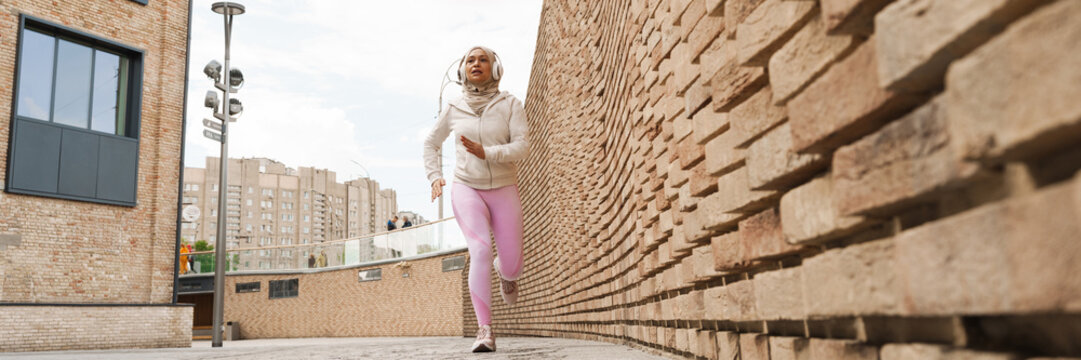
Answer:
[(491, 135)]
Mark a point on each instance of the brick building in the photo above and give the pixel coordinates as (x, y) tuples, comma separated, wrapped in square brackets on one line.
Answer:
[(91, 161), (413, 297), (804, 179), (270, 204)]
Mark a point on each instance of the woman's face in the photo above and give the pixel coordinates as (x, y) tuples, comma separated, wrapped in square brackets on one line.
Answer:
[(478, 68)]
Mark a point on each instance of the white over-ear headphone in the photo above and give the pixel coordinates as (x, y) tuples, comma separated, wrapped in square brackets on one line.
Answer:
[(497, 67)]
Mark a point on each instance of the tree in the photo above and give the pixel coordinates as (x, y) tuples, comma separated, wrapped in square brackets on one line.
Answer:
[(206, 261)]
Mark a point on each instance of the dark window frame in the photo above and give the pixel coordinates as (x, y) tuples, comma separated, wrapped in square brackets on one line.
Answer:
[(283, 289), (454, 263), (133, 110), (376, 272), (248, 287)]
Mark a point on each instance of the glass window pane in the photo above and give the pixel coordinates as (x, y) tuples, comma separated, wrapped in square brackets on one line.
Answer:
[(36, 75), (106, 92), (72, 104), (122, 103)]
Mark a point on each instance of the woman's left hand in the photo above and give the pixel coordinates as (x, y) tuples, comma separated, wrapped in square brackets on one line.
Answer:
[(473, 148)]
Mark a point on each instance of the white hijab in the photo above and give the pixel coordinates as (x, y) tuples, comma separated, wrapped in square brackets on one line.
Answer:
[(479, 95)]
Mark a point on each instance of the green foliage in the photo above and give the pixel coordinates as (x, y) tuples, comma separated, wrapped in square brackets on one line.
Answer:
[(206, 261)]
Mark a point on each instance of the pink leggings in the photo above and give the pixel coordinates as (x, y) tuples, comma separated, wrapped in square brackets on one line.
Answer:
[(480, 213)]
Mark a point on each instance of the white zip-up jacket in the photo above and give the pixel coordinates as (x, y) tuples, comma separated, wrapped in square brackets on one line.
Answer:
[(502, 130)]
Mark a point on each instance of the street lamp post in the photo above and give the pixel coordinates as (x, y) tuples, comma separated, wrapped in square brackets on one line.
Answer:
[(229, 107)]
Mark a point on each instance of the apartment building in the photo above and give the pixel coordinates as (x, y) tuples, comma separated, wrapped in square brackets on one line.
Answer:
[(269, 204)]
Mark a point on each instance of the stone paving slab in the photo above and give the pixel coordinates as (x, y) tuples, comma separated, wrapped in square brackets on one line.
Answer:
[(362, 348)]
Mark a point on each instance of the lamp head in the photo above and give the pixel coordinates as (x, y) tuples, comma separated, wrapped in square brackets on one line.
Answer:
[(213, 70), (227, 8), (236, 78), (235, 107), (211, 99)]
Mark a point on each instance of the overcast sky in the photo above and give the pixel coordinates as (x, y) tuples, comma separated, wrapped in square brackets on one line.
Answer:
[(328, 82)]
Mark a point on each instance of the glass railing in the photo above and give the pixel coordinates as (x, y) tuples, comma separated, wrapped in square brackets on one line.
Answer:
[(437, 236)]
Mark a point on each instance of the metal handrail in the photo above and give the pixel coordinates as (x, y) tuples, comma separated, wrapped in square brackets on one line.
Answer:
[(325, 243)]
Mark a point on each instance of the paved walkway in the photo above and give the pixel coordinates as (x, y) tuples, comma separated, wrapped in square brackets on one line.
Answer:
[(363, 348)]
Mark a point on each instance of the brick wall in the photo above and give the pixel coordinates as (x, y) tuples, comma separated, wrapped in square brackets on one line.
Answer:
[(77, 252), (333, 303), (52, 328), (813, 179), (61, 251)]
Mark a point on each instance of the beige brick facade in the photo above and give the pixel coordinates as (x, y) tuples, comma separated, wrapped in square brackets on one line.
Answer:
[(334, 303), (63, 251), (51, 328), (804, 179)]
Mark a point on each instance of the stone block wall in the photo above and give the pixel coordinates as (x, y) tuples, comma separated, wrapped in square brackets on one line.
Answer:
[(334, 303), (805, 179), (76, 327)]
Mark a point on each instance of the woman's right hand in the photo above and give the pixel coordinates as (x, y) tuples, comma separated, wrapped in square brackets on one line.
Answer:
[(437, 188)]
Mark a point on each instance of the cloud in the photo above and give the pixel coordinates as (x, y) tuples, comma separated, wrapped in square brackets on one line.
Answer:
[(329, 82), (402, 46)]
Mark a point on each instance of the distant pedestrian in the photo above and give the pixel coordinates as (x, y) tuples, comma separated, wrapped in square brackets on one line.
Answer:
[(311, 261), (392, 223), (406, 223), (191, 261), (322, 259), (184, 259), (492, 134)]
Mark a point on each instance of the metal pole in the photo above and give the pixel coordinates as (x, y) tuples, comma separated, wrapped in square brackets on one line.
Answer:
[(223, 185)]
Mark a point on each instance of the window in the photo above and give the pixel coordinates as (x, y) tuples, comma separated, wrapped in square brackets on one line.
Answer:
[(248, 228), (370, 275), (249, 215), (284, 288), (75, 130), (307, 218), (247, 287), (249, 202), (251, 190), (454, 263), (306, 230)]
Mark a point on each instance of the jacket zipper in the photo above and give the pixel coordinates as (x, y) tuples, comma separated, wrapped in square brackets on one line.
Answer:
[(480, 140)]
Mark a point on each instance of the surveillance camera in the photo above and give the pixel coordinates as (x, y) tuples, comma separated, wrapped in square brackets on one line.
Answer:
[(213, 70)]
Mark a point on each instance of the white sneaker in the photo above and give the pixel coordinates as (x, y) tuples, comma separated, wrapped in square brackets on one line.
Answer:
[(485, 340), (507, 288)]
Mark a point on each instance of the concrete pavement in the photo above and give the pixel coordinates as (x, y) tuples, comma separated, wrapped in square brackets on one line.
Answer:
[(362, 348)]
